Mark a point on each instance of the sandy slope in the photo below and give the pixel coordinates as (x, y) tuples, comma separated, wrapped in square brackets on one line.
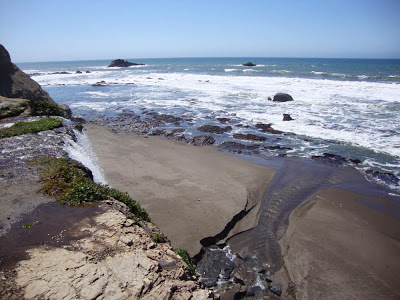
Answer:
[(190, 192)]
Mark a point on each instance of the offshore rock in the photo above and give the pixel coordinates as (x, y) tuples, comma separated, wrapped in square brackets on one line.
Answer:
[(267, 128), (287, 117), (282, 97), (123, 63), (249, 64), (249, 137), (16, 84)]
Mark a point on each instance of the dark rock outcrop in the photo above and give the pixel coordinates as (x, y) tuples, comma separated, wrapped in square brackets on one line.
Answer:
[(282, 97), (214, 129), (201, 140), (123, 63), (287, 117), (249, 137), (330, 158), (10, 107), (388, 178), (267, 128), (238, 148), (16, 84), (249, 64)]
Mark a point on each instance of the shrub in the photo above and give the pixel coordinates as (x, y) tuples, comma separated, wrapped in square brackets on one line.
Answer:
[(46, 108), (186, 258), (158, 237), (30, 127), (71, 183)]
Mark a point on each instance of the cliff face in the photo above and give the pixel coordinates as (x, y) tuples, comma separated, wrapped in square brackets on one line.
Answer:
[(16, 84)]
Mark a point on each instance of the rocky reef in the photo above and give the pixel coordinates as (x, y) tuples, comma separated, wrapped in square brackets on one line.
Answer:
[(123, 63)]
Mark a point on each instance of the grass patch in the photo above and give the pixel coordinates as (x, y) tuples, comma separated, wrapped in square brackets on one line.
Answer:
[(158, 238), (28, 225), (46, 108), (30, 127), (71, 183), (186, 258)]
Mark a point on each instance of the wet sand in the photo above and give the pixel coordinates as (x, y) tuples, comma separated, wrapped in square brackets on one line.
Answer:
[(190, 192), (337, 247)]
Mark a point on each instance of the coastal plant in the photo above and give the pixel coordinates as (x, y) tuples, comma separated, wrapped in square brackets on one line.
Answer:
[(186, 258), (72, 184), (46, 108), (20, 128), (158, 238), (28, 225)]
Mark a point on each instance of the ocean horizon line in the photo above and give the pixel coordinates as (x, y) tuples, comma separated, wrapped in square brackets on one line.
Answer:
[(210, 57)]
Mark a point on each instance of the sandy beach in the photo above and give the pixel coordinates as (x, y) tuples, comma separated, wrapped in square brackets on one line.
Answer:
[(336, 247), (190, 192), (339, 244)]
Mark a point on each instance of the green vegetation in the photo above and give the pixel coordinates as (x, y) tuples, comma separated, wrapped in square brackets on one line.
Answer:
[(79, 126), (158, 237), (186, 258), (28, 225), (71, 183), (30, 127), (46, 108)]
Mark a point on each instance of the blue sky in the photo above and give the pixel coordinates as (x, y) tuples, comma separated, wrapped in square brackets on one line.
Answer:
[(43, 30)]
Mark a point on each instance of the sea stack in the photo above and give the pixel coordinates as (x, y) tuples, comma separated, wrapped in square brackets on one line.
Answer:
[(282, 97), (249, 64), (123, 63)]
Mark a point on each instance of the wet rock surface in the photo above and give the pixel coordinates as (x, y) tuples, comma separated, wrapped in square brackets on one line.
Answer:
[(214, 129), (282, 97), (249, 137), (267, 128)]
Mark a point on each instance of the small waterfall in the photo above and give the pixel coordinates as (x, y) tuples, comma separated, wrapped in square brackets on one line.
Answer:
[(82, 151)]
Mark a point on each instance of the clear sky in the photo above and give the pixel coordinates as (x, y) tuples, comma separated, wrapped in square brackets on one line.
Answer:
[(48, 30)]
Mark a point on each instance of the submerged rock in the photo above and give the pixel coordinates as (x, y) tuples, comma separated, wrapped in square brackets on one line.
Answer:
[(123, 63), (385, 177), (249, 137), (267, 128), (282, 97)]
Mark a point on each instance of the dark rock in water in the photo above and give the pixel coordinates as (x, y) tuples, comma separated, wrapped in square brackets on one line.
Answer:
[(277, 148), (100, 83), (355, 161), (282, 97), (238, 148), (201, 140), (223, 120), (269, 99), (123, 63), (216, 265), (87, 71), (60, 73), (287, 117), (249, 64), (249, 137), (330, 158), (16, 84), (214, 129), (267, 128), (385, 177), (167, 118), (78, 72)]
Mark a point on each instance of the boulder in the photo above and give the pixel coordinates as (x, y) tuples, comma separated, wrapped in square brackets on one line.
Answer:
[(249, 137), (11, 107), (201, 140), (249, 64), (268, 128), (16, 84), (287, 117), (123, 63), (282, 97)]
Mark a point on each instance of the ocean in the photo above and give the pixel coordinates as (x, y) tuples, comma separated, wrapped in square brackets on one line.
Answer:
[(347, 107)]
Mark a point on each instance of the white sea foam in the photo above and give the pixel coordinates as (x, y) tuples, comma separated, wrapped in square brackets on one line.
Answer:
[(232, 70)]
